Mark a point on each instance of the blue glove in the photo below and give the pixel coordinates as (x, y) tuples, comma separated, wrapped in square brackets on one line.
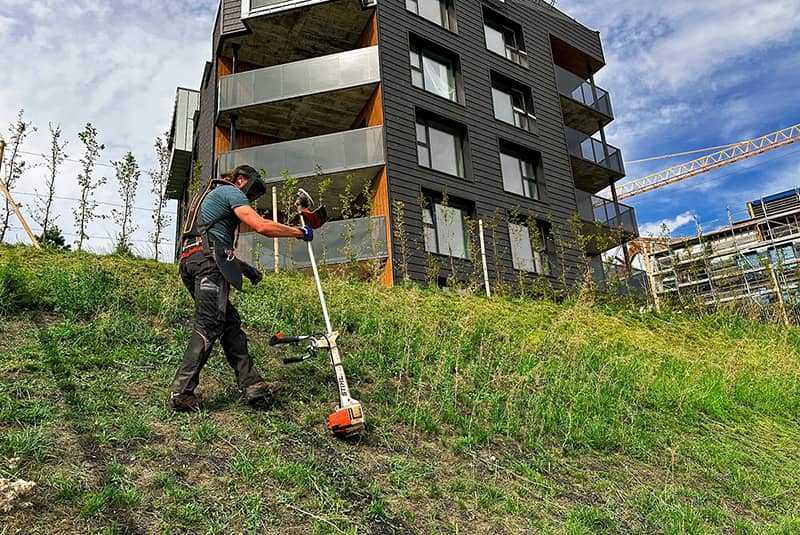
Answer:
[(308, 234)]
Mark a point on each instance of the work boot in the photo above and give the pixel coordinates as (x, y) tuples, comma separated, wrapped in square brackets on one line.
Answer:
[(257, 391), (184, 402)]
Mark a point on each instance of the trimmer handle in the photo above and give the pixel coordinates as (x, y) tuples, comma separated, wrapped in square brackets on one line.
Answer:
[(281, 339), (292, 360)]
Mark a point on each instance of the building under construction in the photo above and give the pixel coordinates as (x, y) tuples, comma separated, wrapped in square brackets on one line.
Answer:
[(754, 258)]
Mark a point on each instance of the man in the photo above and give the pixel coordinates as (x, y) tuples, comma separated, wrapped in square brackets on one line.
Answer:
[(208, 267)]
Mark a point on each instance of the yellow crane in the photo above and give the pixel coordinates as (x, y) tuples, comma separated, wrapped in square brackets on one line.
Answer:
[(728, 155)]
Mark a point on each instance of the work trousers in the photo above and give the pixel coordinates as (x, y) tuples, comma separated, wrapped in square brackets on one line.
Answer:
[(214, 317)]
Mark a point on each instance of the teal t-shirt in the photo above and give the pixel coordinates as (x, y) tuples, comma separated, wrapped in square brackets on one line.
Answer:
[(220, 202)]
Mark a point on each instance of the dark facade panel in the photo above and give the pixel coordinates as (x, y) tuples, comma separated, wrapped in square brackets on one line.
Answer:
[(232, 17), (483, 184), (205, 128)]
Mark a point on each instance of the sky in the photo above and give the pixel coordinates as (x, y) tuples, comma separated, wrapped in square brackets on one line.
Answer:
[(682, 74)]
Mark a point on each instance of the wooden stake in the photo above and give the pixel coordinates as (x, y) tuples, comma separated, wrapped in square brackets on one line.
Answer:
[(483, 260), (275, 243), (779, 292), (13, 204)]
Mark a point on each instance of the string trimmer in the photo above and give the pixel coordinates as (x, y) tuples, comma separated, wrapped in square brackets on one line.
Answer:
[(348, 419)]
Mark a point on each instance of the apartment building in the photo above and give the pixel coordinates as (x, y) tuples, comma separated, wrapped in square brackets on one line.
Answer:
[(412, 120), (755, 258)]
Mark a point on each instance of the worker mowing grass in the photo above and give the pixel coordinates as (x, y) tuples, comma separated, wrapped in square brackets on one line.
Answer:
[(209, 267)]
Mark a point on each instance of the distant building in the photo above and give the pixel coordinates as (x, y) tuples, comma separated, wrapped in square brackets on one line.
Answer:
[(455, 110), (736, 262)]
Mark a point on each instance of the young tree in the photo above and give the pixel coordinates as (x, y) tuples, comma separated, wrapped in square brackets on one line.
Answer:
[(158, 179), (42, 212), (53, 239), (128, 174), (87, 206), (13, 165)]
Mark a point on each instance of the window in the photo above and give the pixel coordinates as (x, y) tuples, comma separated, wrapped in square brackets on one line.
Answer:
[(504, 37), (439, 12), (521, 174), (433, 71), (513, 103), (440, 147), (530, 246), (444, 229)]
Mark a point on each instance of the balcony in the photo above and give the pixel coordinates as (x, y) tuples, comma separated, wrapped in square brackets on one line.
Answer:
[(181, 136), (357, 153), (606, 225), (301, 99), (586, 107), (595, 164), (337, 242), (283, 31)]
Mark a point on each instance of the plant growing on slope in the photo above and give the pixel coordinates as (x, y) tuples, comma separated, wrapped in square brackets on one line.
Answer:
[(43, 209), (13, 165), (128, 174), (87, 206), (158, 181)]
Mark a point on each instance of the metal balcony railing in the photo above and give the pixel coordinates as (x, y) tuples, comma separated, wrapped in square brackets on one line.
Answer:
[(324, 74), (583, 91), (597, 209), (321, 155), (337, 242), (582, 146)]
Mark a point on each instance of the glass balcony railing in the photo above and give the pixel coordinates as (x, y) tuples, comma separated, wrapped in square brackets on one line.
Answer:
[(321, 155), (580, 90), (324, 74), (336, 242), (597, 209), (582, 146)]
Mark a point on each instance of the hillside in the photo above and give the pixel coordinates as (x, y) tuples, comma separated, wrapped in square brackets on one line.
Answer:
[(484, 415)]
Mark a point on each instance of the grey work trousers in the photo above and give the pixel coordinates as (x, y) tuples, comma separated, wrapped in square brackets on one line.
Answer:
[(214, 317)]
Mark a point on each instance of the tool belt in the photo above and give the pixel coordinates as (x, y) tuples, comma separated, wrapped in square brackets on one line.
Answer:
[(191, 246)]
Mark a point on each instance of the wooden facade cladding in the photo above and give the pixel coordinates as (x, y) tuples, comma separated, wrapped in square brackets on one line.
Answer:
[(381, 206)]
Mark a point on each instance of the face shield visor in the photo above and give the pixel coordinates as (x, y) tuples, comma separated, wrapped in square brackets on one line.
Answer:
[(255, 187)]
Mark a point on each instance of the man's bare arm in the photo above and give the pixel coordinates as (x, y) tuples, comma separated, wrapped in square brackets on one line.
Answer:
[(268, 228)]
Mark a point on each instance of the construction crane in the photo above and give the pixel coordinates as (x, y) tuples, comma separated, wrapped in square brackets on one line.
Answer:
[(728, 155)]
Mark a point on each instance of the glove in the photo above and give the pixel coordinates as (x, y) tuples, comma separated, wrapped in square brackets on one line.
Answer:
[(253, 274), (308, 233)]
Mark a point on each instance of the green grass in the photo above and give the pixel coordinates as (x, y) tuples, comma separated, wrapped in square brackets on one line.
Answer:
[(485, 415)]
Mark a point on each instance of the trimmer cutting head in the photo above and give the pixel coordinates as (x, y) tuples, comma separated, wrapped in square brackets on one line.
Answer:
[(347, 421)]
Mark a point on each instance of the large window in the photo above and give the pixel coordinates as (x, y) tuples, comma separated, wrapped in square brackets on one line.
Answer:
[(521, 173), (444, 228), (440, 12), (504, 37), (433, 71), (513, 103), (440, 146), (530, 246)]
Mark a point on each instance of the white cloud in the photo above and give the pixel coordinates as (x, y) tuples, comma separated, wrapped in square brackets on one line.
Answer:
[(114, 64), (657, 228)]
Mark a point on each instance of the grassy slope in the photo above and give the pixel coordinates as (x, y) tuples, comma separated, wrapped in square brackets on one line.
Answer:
[(485, 416)]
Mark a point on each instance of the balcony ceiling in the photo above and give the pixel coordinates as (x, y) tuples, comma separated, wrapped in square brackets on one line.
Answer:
[(573, 59), (582, 118), (592, 177), (308, 116), (300, 33), (336, 189)]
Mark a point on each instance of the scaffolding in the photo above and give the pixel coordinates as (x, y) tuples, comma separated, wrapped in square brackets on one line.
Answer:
[(755, 258)]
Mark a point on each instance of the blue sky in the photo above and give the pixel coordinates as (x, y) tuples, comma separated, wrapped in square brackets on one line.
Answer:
[(682, 74)]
